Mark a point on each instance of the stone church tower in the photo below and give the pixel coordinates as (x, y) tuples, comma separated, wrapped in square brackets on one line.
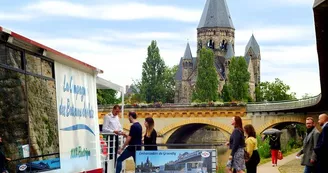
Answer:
[(215, 31)]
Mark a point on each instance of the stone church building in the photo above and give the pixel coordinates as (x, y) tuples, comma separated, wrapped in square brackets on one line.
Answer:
[(215, 31)]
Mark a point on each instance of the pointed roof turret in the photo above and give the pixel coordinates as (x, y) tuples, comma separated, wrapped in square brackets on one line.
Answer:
[(187, 54), (252, 43), (216, 14), (230, 52), (178, 75)]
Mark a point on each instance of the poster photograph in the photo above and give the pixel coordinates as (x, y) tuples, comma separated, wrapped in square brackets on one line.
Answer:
[(176, 161)]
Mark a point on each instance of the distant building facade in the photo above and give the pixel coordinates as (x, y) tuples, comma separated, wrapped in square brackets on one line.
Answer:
[(216, 31)]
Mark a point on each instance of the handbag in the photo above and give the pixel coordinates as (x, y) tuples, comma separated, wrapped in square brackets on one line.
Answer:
[(280, 156)]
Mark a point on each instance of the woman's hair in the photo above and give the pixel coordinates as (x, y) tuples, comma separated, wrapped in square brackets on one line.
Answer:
[(249, 129), (150, 128), (238, 123)]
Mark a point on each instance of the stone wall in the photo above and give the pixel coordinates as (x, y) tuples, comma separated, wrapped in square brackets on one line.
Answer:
[(28, 111)]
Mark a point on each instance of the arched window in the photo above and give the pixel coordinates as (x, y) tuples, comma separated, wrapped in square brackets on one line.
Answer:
[(210, 44)]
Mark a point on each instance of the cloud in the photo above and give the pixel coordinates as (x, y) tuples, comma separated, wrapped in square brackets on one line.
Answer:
[(109, 50), (276, 33), (122, 11), (14, 17)]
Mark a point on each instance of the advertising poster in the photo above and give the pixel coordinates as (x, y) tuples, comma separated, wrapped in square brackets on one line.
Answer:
[(177, 161), (77, 119)]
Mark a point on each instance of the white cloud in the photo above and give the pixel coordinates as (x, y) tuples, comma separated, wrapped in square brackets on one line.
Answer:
[(301, 80), (276, 33), (14, 17), (122, 11)]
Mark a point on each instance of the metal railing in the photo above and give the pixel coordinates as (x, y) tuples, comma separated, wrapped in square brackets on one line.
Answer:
[(282, 105)]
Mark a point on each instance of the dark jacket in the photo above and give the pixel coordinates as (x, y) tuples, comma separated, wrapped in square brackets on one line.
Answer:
[(274, 142), (237, 140), (309, 142), (321, 150)]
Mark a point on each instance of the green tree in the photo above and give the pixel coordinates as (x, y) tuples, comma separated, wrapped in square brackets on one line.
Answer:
[(169, 83), (226, 93), (207, 80), (238, 78), (274, 91), (153, 76), (107, 96), (306, 95)]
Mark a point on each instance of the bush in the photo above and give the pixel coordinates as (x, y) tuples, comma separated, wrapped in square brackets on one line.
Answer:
[(263, 147)]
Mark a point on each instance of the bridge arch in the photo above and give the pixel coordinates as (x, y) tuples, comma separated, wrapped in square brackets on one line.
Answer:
[(168, 131), (276, 121)]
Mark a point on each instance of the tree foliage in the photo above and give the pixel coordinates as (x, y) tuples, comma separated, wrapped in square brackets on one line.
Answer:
[(157, 82), (306, 95), (206, 88), (169, 84), (274, 91), (107, 96), (226, 93), (238, 80)]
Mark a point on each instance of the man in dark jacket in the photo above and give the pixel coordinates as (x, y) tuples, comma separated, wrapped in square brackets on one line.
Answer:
[(309, 142), (321, 149)]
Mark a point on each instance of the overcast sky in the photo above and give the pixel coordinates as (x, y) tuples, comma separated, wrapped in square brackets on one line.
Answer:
[(113, 35)]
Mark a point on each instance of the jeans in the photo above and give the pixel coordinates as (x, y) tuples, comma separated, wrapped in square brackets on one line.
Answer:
[(126, 154), (309, 169)]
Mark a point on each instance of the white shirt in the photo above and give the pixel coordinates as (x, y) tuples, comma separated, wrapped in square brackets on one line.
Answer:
[(111, 123)]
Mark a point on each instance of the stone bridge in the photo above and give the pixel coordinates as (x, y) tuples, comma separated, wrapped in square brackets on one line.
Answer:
[(178, 121), (175, 122)]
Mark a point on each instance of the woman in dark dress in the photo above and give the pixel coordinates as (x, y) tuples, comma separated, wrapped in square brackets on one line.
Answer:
[(236, 144), (150, 135)]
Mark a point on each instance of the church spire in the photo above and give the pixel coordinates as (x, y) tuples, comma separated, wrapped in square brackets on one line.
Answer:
[(216, 14), (187, 54), (252, 43)]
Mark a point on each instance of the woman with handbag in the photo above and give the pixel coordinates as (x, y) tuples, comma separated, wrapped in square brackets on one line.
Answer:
[(275, 148), (236, 144), (251, 149)]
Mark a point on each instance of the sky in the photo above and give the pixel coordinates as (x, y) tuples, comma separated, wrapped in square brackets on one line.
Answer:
[(113, 35)]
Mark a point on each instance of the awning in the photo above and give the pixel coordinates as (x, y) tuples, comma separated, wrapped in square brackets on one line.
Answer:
[(105, 84)]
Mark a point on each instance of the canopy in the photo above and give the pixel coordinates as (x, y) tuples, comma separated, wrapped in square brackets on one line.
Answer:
[(105, 84)]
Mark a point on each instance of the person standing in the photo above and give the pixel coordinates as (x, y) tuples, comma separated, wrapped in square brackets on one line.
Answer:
[(133, 141), (251, 149), (236, 144), (321, 149), (309, 142), (3, 159), (111, 124), (151, 135), (275, 147)]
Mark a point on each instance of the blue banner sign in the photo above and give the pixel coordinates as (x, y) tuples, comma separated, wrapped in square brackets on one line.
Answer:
[(178, 161)]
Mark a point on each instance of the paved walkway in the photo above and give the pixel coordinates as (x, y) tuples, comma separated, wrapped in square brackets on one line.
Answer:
[(267, 167)]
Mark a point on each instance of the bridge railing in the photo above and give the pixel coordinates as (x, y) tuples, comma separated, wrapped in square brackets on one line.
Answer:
[(282, 105)]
